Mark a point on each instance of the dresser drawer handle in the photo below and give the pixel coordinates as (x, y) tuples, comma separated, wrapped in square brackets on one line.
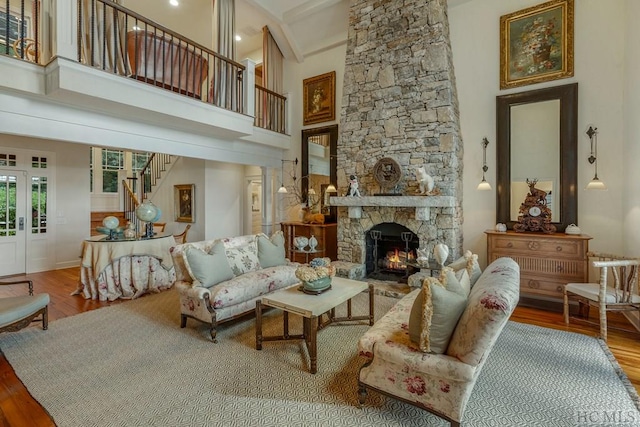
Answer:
[(559, 288), (509, 245), (559, 268), (534, 246), (558, 248), (534, 284)]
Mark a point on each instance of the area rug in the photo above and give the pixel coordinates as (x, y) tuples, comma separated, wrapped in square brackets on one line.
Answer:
[(132, 365)]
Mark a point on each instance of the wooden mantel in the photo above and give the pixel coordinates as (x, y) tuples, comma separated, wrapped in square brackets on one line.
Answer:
[(421, 203)]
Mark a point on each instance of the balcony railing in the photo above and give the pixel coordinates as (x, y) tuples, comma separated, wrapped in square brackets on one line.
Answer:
[(115, 39), (270, 110)]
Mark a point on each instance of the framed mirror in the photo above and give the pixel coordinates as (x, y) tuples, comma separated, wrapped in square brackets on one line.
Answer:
[(537, 139), (319, 168)]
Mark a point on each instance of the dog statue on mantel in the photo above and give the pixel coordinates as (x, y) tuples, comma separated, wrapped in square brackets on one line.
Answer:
[(353, 190)]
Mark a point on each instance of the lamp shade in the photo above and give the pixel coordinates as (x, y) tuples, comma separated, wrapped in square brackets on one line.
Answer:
[(331, 189), (484, 185), (282, 190), (596, 184)]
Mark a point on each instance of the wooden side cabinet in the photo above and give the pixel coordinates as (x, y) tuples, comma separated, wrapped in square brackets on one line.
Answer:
[(325, 234), (547, 262)]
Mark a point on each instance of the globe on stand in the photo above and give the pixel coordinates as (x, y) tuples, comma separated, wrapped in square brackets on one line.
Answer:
[(111, 223), (147, 212)]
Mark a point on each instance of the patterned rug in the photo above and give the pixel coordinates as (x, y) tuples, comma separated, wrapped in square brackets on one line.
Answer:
[(131, 365)]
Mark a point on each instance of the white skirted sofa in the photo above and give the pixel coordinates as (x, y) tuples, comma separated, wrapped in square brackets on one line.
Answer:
[(440, 382), (221, 279)]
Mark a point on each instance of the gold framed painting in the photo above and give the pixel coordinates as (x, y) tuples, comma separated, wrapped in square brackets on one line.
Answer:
[(536, 44), (184, 197), (319, 95)]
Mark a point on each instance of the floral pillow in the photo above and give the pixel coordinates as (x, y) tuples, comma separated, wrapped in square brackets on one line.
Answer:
[(436, 311), (243, 259)]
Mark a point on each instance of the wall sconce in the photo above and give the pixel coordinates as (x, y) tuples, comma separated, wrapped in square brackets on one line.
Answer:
[(595, 183), (283, 189), (484, 185)]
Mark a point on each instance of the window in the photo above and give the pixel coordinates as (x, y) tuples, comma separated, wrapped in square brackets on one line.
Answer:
[(112, 162), (138, 161), (38, 204)]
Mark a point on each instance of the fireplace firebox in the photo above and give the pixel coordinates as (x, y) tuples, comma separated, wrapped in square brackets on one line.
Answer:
[(388, 247)]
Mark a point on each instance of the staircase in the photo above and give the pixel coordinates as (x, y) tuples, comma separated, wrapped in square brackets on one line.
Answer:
[(146, 180)]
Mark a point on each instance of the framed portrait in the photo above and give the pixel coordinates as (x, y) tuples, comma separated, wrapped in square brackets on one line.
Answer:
[(536, 44), (184, 196), (319, 94)]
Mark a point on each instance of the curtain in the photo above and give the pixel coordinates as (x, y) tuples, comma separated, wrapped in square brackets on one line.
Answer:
[(224, 78), (272, 62), (272, 69), (103, 36)]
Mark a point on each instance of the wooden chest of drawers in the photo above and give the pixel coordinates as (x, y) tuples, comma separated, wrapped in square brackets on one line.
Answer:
[(325, 234), (547, 262)]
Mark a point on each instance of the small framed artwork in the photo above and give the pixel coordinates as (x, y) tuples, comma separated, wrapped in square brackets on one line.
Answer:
[(184, 196), (536, 44), (319, 94)]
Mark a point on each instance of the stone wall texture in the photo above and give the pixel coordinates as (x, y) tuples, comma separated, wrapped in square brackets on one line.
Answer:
[(399, 101)]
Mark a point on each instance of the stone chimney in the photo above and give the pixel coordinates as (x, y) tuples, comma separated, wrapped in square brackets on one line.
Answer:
[(399, 101)]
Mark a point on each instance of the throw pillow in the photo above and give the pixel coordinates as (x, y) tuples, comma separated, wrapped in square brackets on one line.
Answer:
[(271, 251), (207, 269), (470, 262), (436, 311), (243, 259)]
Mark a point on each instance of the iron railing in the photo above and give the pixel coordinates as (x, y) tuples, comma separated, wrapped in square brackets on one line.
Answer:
[(151, 173), (270, 110), (20, 29), (116, 39)]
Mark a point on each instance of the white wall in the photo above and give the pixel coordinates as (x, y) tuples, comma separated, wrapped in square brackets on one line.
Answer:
[(599, 61), (223, 207)]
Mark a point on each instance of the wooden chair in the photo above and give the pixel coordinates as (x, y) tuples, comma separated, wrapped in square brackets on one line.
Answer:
[(18, 312), (158, 227), (182, 237), (619, 294)]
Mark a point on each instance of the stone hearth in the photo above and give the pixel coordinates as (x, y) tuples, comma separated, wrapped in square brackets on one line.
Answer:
[(399, 101)]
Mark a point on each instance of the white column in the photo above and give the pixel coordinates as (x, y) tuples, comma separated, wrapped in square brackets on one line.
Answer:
[(249, 82), (65, 29), (267, 200)]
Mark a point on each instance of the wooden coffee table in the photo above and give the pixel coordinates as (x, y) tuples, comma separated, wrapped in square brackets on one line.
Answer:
[(311, 308)]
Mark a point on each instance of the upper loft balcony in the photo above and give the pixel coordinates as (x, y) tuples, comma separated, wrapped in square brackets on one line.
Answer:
[(100, 56)]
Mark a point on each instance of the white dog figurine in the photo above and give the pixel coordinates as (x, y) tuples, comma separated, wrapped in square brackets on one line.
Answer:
[(353, 186), (425, 181)]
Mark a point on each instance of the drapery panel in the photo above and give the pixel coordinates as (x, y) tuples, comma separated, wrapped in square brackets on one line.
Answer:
[(103, 35), (272, 69), (223, 78)]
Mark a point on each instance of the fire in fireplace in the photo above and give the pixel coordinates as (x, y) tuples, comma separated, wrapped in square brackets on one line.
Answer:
[(389, 246)]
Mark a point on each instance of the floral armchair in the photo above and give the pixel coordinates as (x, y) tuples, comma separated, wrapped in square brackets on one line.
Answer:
[(439, 383)]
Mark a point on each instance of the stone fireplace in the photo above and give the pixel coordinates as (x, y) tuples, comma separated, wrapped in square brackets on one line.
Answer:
[(399, 101)]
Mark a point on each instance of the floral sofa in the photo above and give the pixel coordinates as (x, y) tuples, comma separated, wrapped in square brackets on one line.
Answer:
[(221, 279), (439, 383)]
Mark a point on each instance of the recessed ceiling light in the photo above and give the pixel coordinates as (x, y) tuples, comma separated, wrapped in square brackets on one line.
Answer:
[(174, 2), (136, 28), (238, 38)]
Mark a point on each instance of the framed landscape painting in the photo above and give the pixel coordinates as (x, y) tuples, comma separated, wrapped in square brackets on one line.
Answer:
[(536, 44), (319, 95)]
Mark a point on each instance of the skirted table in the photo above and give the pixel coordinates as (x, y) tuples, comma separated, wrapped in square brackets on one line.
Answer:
[(126, 269)]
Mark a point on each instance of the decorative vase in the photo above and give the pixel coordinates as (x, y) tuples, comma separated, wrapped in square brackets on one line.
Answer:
[(317, 285), (300, 242), (313, 243), (440, 253)]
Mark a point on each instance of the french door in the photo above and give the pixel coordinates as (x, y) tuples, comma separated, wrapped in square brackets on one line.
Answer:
[(13, 225)]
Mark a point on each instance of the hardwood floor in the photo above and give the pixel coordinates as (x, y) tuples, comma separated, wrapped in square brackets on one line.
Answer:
[(18, 408)]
